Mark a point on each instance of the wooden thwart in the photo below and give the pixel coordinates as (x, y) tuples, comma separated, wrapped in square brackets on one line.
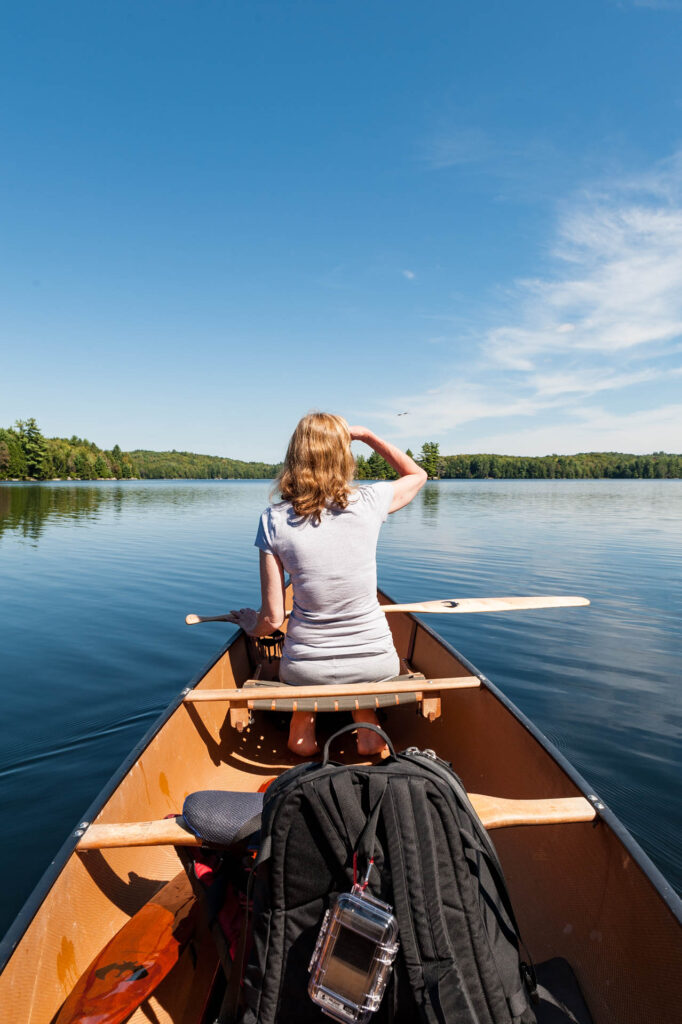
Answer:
[(332, 696), (494, 812), (252, 691), (166, 832)]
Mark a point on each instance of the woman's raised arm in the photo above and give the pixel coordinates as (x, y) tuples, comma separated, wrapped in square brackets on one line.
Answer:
[(411, 476)]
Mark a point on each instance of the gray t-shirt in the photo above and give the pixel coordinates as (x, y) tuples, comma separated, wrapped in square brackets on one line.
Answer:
[(332, 565)]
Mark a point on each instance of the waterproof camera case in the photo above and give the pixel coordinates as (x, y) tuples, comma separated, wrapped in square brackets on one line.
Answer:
[(352, 961)]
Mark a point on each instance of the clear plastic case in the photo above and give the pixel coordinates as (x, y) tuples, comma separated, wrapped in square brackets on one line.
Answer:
[(353, 956)]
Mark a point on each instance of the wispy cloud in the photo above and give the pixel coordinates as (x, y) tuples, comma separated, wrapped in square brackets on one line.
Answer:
[(457, 146), (617, 285), (574, 383), (659, 5), (452, 404), (593, 429), (409, 274), (606, 316)]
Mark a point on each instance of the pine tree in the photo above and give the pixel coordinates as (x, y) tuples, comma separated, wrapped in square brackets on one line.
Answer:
[(430, 459), (34, 448), (376, 466), (361, 470)]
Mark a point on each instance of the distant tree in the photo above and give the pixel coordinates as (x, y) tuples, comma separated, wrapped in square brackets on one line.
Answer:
[(377, 467), (82, 466), (34, 447), (430, 459), (361, 468), (410, 453)]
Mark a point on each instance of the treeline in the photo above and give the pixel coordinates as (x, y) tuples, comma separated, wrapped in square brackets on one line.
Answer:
[(26, 455), (585, 466), (187, 465)]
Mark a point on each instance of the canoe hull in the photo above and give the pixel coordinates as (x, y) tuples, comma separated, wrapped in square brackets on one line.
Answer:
[(584, 891)]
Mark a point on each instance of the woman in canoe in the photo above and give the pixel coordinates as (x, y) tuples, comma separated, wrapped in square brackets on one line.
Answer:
[(324, 534)]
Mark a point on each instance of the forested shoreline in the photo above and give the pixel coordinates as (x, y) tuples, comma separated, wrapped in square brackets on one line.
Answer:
[(584, 466), (25, 454)]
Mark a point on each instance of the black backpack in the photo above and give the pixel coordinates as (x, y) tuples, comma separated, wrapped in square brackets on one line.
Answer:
[(458, 959)]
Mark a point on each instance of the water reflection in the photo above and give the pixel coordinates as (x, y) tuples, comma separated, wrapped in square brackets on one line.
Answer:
[(430, 502), (27, 509)]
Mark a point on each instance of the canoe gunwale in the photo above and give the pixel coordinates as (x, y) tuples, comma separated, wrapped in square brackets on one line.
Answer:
[(22, 921), (610, 818)]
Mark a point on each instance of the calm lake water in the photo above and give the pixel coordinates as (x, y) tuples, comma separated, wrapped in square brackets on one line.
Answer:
[(96, 579)]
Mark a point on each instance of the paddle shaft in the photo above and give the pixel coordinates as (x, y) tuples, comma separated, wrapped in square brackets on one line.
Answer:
[(465, 605)]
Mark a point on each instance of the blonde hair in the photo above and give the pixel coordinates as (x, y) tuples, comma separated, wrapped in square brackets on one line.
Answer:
[(318, 466)]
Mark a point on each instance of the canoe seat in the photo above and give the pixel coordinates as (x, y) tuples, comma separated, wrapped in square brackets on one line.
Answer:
[(212, 816), (351, 702), (258, 695), (221, 818)]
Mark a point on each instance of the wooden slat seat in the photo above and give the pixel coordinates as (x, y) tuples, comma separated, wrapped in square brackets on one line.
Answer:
[(494, 812), (326, 702)]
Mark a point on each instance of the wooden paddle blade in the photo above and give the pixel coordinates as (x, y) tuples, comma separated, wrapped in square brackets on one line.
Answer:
[(487, 604), (136, 959)]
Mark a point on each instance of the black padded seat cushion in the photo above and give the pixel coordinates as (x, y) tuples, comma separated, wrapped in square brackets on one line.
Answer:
[(221, 817)]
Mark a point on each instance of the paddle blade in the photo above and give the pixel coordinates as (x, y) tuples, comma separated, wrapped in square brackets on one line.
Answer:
[(192, 619), (136, 960), (487, 604)]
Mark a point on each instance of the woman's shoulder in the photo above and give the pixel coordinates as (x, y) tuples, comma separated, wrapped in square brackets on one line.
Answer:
[(370, 491), (281, 514), (279, 509), (376, 496)]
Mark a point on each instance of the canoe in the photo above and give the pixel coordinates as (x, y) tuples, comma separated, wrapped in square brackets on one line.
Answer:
[(582, 887)]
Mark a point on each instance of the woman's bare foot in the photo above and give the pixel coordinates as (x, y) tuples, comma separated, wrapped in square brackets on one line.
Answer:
[(369, 743), (302, 739)]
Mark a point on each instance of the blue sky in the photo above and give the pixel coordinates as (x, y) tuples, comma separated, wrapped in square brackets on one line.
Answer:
[(216, 216)]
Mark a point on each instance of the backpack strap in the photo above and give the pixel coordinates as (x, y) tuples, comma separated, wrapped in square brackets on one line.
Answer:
[(474, 833), (364, 847), (433, 972), (347, 828)]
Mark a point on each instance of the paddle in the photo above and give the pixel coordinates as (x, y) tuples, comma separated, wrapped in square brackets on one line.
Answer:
[(135, 960), (449, 607)]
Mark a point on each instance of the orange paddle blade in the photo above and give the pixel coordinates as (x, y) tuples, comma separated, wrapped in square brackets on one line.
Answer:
[(136, 959)]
